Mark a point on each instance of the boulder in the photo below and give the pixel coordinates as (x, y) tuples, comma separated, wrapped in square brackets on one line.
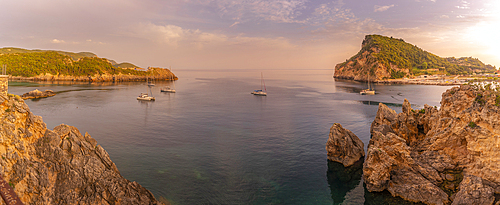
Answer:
[(344, 146), (38, 94)]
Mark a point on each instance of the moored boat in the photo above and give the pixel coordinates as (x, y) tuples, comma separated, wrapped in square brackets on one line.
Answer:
[(145, 97)]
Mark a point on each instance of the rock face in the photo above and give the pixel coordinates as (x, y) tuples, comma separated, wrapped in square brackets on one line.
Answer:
[(444, 156), (38, 94), (344, 146), (59, 166)]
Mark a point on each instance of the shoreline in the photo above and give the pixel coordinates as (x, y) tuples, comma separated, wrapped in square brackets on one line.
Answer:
[(439, 81), (102, 78)]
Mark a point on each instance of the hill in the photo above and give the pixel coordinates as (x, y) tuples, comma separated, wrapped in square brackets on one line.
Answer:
[(74, 56), (125, 65), (384, 57), (61, 65)]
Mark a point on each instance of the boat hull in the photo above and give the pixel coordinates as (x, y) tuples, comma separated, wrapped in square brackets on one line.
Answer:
[(146, 98), (367, 92)]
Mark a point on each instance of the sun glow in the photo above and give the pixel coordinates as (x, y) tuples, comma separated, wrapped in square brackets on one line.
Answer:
[(484, 33)]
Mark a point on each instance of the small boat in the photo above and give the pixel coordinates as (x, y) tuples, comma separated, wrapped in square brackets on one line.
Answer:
[(261, 92), (167, 89), (369, 91), (145, 97)]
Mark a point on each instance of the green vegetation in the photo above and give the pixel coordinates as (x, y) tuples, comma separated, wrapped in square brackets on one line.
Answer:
[(397, 74), (472, 124), (125, 65), (397, 52), (74, 56), (479, 99), (29, 64), (422, 111)]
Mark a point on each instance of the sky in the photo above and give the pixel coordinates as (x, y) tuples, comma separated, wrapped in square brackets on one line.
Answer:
[(248, 34)]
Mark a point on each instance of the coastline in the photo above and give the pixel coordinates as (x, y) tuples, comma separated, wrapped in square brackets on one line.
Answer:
[(95, 78), (422, 81)]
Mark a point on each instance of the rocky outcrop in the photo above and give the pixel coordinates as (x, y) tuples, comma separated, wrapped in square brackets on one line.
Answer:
[(59, 166), (344, 146), (38, 94), (450, 155), (366, 65)]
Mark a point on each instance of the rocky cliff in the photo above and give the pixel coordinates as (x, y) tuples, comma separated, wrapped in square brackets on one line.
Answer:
[(438, 156), (59, 166)]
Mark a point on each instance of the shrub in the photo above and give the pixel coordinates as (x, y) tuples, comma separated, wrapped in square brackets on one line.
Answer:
[(472, 124)]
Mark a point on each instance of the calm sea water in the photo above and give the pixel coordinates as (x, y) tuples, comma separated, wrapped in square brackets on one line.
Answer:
[(213, 142)]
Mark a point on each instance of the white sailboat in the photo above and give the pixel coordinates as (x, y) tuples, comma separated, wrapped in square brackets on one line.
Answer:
[(145, 96), (262, 83), (167, 89), (369, 91)]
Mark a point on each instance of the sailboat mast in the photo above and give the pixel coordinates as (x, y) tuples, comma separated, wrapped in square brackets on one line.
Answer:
[(369, 88)]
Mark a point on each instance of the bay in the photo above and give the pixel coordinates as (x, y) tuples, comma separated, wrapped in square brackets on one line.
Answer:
[(213, 142)]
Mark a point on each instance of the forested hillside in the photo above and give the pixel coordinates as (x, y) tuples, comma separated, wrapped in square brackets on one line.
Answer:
[(35, 63)]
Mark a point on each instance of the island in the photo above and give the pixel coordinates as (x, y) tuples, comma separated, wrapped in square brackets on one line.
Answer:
[(48, 65), (390, 60)]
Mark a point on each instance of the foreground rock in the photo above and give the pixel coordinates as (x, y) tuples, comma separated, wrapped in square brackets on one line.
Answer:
[(38, 94), (436, 156), (59, 166), (344, 146)]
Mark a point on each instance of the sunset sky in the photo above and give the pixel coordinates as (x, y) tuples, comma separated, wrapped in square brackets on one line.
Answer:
[(242, 34)]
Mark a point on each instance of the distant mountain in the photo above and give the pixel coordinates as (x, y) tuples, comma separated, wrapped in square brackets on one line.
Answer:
[(61, 65), (125, 65), (384, 57), (74, 56)]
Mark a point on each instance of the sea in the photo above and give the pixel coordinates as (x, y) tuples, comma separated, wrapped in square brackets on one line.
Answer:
[(212, 142)]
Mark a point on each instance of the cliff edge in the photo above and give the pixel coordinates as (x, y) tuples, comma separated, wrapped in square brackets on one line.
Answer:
[(59, 166), (444, 156)]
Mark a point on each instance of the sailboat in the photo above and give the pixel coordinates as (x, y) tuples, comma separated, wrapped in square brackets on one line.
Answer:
[(262, 83), (369, 91), (145, 96), (167, 89)]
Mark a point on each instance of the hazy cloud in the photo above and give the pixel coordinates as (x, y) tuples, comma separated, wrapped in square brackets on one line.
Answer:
[(58, 41), (382, 8)]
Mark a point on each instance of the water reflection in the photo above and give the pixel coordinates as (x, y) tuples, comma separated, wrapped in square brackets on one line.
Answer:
[(385, 198), (343, 179)]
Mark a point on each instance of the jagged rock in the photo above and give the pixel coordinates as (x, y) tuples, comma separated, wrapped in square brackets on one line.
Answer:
[(344, 146), (59, 166), (422, 155), (473, 191), (38, 94)]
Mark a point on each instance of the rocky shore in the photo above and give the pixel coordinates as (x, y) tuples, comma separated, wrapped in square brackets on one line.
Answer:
[(438, 156), (59, 166)]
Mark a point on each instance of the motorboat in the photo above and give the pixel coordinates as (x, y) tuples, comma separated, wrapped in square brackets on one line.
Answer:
[(167, 89), (145, 97)]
